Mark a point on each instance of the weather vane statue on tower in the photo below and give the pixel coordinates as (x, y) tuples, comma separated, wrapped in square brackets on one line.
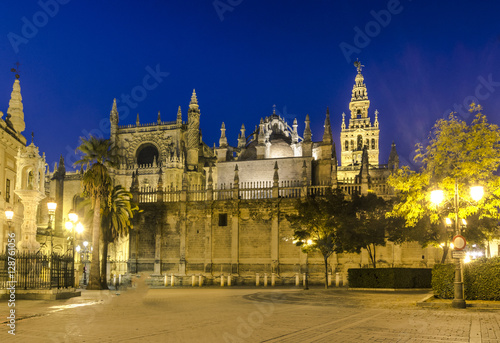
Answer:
[(358, 65)]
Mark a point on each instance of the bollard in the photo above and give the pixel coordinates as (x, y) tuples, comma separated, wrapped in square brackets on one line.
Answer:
[(200, 280), (297, 279), (273, 281), (304, 281), (172, 280), (265, 279), (329, 279), (229, 280), (337, 279), (166, 280), (193, 280), (119, 279), (222, 280), (114, 280), (257, 279)]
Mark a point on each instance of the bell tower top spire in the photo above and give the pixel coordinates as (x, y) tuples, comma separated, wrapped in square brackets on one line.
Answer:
[(359, 100), (360, 133)]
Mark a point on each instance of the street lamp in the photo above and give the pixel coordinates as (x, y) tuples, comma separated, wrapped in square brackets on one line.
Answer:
[(9, 215), (73, 227), (437, 196)]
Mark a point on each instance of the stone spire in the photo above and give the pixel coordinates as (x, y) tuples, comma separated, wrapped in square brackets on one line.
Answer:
[(307, 130), (276, 175), (179, 116), (137, 122), (364, 173), (343, 121), (113, 115), (223, 139), (160, 180), (327, 134), (393, 162), (15, 114), (261, 136), (375, 123), (194, 100), (159, 118), (193, 133), (295, 133), (236, 176), (242, 140)]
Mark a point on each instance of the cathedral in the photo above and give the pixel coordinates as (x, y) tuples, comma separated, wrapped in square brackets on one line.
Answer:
[(221, 210)]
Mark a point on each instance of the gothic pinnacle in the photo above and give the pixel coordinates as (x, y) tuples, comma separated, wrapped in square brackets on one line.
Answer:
[(15, 114)]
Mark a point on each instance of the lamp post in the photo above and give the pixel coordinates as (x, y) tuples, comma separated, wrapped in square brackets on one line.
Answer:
[(51, 206), (74, 227), (437, 196), (9, 215)]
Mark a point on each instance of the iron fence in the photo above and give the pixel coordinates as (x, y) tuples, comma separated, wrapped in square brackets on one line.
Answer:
[(37, 270)]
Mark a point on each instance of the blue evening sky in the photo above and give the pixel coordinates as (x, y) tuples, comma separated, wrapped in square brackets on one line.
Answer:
[(421, 58)]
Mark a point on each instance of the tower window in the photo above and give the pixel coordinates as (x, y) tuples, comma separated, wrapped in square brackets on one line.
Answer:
[(360, 142), (346, 145), (373, 144), (7, 190)]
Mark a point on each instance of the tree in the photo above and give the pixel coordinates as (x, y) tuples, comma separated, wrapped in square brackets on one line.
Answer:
[(318, 222), (97, 155), (116, 215), (370, 226), (457, 155)]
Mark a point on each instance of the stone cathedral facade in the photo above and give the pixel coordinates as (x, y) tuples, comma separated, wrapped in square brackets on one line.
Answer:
[(222, 210), (209, 210)]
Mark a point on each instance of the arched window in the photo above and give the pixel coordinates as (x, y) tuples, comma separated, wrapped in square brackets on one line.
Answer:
[(146, 154), (373, 144), (352, 144), (346, 145), (360, 142)]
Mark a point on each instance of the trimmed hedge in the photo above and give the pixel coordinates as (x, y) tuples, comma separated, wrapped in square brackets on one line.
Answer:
[(443, 276), (481, 280), (390, 278)]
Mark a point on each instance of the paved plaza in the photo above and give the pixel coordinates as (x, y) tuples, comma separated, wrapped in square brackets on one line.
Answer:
[(247, 315)]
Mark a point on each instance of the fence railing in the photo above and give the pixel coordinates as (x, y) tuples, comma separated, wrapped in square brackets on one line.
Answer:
[(37, 271), (253, 190)]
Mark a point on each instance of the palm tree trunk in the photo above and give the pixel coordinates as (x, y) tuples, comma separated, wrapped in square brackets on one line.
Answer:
[(104, 264), (95, 278)]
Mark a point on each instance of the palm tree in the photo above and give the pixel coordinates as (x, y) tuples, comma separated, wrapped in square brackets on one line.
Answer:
[(97, 155), (116, 215)]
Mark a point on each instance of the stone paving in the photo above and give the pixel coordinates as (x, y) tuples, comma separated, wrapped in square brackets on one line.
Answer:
[(246, 315)]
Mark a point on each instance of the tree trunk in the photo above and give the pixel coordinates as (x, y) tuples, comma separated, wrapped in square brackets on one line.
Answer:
[(374, 257), (326, 271), (445, 253), (104, 264), (95, 278)]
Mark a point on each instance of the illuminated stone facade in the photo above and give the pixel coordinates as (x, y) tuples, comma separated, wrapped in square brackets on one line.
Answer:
[(222, 210)]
